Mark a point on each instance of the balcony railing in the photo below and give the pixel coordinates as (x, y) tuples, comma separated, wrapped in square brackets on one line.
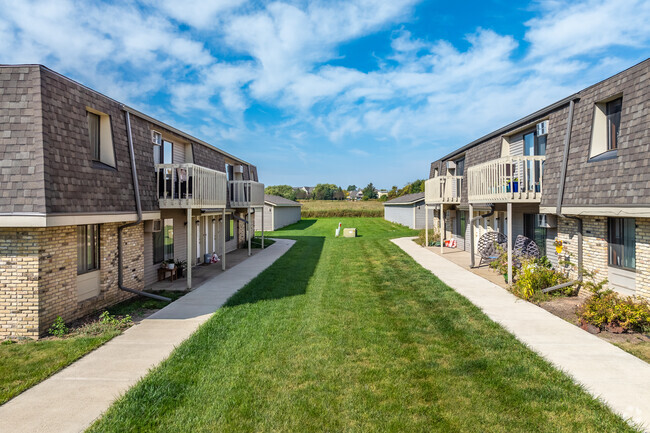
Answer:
[(190, 186), (443, 189), (245, 193), (507, 179)]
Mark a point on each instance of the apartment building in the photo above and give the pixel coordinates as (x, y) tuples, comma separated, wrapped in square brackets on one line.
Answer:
[(95, 195), (577, 171)]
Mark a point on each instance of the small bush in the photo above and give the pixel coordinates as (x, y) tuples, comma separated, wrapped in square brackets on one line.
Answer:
[(606, 308), (58, 328), (536, 275), (433, 237)]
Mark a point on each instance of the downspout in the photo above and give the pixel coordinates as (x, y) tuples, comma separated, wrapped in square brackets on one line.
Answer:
[(560, 198), (471, 233), (138, 206)]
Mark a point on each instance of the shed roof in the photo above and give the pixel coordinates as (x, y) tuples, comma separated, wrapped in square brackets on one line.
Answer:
[(406, 199), (276, 200)]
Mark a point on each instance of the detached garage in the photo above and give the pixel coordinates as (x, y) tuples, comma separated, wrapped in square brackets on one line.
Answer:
[(278, 212), (407, 210)]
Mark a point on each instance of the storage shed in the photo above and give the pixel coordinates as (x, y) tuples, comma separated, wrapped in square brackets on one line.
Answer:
[(407, 210), (278, 212)]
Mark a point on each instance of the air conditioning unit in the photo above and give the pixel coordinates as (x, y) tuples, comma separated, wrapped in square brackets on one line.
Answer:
[(152, 226), (547, 221), (156, 137), (542, 128), (451, 214), (451, 165), (238, 169)]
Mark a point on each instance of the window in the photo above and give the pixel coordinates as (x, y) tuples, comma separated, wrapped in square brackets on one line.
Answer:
[(605, 130), (93, 133), (163, 242), (532, 230), (156, 137), (460, 167), (621, 236), (100, 138), (167, 152), (87, 248), (613, 112), (230, 228)]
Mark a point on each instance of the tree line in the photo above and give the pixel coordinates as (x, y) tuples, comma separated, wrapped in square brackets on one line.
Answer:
[(329, 191)]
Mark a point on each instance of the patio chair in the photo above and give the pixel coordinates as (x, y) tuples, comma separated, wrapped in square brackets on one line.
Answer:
[(490, 246), (525, 248)]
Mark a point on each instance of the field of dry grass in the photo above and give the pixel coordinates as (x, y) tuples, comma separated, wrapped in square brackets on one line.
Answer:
[(341, 208)]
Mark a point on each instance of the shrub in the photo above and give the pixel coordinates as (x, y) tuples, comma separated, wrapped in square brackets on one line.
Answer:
[(433, 237), (535, 276), (606, 308), (58, 328), (107, 322)]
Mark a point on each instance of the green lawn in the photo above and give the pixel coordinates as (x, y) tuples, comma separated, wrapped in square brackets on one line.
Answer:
[(351, 335), (24, 364)]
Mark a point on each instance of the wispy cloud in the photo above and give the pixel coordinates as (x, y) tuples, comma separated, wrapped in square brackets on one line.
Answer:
[(208, 65)]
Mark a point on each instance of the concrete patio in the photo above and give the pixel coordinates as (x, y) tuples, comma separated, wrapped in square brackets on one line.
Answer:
[(619, 379), (203, 273), (462, 259)]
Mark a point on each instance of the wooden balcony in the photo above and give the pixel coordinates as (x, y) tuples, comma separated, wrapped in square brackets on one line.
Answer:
[(245, 193), (190, 186), (515, 179), (443, 189)]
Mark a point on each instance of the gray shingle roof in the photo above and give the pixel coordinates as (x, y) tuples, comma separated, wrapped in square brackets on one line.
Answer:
[(276, 200), (406, 199)]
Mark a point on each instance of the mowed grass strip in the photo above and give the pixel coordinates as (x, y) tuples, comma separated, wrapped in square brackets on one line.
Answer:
[(351, 335)]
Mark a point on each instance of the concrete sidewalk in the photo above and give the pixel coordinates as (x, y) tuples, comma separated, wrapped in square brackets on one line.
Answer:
[(619, 379), (72, 399)]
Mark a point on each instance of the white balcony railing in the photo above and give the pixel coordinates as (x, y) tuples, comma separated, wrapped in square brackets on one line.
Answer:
[(190, 186), (507, 179), (245, 193), (443, 189)]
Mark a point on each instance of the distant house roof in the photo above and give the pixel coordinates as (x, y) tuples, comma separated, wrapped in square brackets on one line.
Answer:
[(406, 199), (276, 200)]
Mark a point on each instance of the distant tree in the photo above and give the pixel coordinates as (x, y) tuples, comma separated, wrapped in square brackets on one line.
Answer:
[(351, 188), (383, 198), (324, 191), (393, 192), (369, 192), (301, 194), (339, 194), (282, 190)]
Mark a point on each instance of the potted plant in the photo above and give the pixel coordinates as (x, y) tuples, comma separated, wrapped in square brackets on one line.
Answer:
[(515, 185), (180, 267), (558, 246)]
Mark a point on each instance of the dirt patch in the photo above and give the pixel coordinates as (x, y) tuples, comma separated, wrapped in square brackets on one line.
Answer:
[(635, 343)]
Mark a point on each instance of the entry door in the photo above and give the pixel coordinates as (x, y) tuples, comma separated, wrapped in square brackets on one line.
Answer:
[(533, 231), (534, 146)]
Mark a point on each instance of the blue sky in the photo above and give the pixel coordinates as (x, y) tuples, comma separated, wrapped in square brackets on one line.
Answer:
[(345, 92)]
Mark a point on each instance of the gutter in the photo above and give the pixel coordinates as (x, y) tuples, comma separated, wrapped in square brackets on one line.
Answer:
[(560, 197), (471, 233), (138, 206)]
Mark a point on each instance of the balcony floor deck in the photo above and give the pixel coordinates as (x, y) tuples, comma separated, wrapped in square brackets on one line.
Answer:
[(202, 273)]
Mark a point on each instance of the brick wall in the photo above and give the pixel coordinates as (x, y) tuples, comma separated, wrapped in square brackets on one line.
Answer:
[(18, 282), (38, 276), (643, 257)]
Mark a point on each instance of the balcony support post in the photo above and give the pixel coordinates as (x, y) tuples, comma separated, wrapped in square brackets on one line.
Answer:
[(510, 243), (426, 225), (442, 228), (189, 248), (250, 225), (223, 239), (262, 227), (471, 235)]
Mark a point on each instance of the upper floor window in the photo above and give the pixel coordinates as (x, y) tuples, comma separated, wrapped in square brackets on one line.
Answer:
[(101, 137), (87, 248), (621, 237), (606, 125), (613, 112), (460, 167)]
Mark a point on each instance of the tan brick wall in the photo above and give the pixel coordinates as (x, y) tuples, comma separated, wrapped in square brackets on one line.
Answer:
[(38, 276), (18, 282), (595, 248), (643, 257)]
